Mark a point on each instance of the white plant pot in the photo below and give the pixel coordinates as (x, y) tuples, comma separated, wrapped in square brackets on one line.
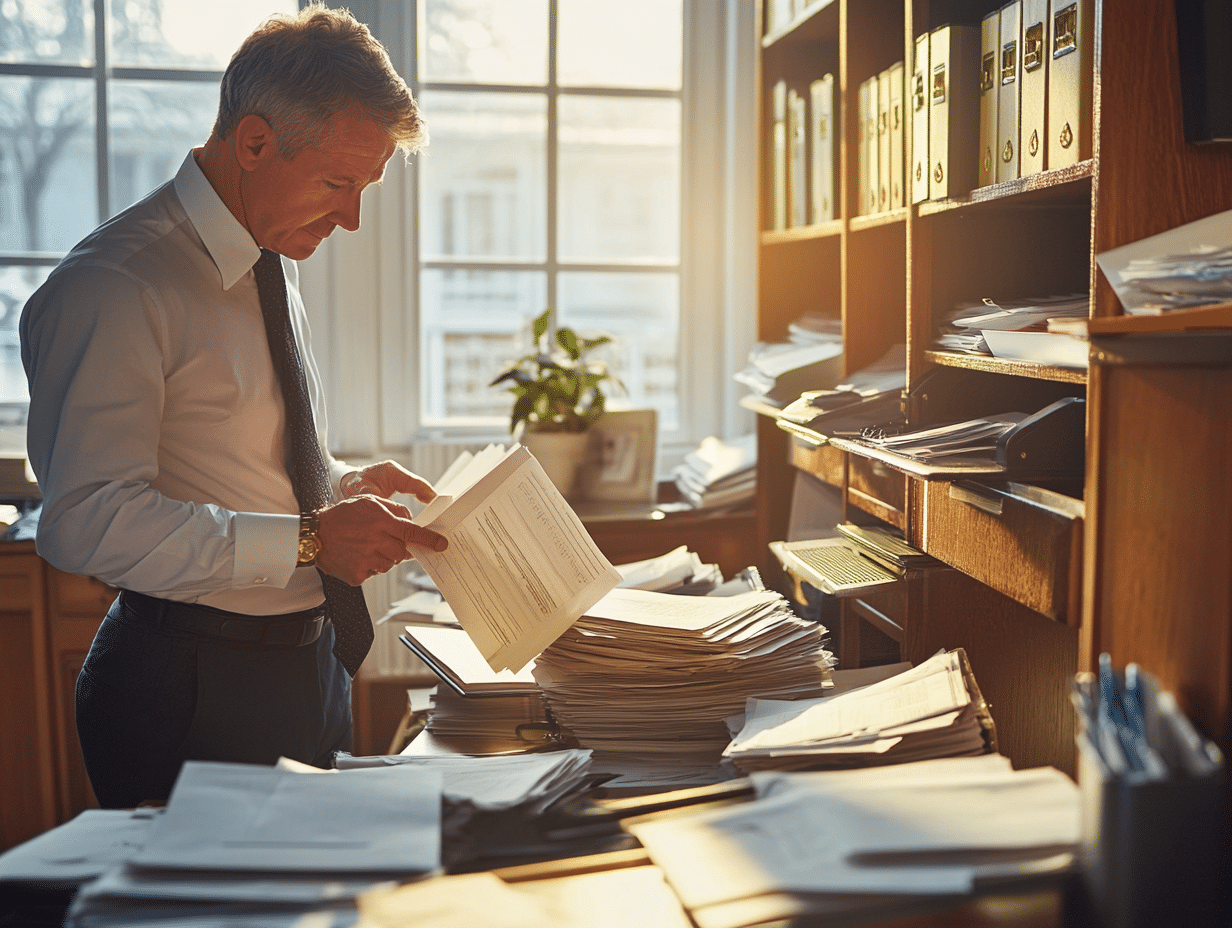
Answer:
[(561, 454)]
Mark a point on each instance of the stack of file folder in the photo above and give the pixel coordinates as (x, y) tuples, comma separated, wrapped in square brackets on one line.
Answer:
[(930, 711), (719, 474), (654, 674)]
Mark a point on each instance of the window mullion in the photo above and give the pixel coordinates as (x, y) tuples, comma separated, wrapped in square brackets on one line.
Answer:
[(551, 157), (102, 135)]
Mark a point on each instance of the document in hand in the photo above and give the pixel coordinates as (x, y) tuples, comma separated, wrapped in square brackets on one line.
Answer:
[(520, 567)]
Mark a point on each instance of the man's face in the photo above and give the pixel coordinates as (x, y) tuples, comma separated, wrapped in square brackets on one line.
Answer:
[(292, 205)]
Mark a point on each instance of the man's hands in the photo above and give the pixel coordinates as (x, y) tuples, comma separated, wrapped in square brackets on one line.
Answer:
[(367, 533)]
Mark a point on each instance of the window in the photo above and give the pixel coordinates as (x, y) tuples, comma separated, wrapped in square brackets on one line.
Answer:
[(597, 156), (552, 178), (99, 103)]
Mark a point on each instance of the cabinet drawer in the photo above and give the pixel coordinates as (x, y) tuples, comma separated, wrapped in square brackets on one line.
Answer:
[(825, 462), (1020, 540), (878, 490), (75, 595)]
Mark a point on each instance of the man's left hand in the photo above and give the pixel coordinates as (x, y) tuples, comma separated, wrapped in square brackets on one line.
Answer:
[(384, 479)]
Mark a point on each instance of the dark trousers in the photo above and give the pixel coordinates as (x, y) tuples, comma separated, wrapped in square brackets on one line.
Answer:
[(152, 695)]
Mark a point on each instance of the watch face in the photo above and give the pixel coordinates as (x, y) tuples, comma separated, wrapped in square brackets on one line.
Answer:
[(308, 548)]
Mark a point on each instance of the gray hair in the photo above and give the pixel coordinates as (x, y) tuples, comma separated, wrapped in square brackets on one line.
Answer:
[(297, 71)]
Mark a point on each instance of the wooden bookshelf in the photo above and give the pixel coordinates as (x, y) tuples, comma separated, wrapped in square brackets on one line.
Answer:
[(893, 277)]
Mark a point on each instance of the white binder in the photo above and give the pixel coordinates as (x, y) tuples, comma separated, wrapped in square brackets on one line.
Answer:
[(897, 139), (918, 97), (862, 165), (821, 116), (883, 141), (954, 110), (1032, 98), (797, 177), (1007, 103), (1070, 75), (778, 157), (990, 92)]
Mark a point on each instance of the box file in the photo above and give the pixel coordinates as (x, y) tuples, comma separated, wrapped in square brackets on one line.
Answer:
[(883, 141), (1032, 97), (897, 141), (821, 116), (778, 157), (990, 93), (920, 73), (797, 134), (1071, 47), (1007, 102), (954, 110), (871, 146)]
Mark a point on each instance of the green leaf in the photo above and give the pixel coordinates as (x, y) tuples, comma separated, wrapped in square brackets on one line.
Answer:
[(568, 340), (540, 325)]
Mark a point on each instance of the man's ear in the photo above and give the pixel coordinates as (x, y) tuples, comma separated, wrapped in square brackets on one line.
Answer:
[(255, 140)]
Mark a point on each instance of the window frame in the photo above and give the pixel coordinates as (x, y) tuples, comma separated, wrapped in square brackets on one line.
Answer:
[(367, 343)]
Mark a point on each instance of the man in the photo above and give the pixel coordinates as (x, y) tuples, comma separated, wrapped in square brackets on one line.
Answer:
[(171, 462)]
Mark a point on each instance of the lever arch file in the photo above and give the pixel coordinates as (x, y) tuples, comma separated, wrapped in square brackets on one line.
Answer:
[(883, 142), (797, 148), (897, 140), (778, 156), (918, 106), (990, 93), (1070, 75), (1032, 97), (821, 116), (1007, 102), (954, 110)]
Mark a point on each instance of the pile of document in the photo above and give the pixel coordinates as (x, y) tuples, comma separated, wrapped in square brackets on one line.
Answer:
[(1182, 268), (867, 844), (269, 844), (971, 437), (719, 474), (1019, 330), (778, 372), (655, 674), (914, 713)]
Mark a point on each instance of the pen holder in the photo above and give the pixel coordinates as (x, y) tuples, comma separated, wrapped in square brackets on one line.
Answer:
[(1151, 848)]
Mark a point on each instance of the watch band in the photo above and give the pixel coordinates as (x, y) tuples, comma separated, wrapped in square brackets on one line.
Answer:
[(309, 539)]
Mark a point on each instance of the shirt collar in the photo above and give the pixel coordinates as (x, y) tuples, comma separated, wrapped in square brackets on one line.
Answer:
[(229, 244)]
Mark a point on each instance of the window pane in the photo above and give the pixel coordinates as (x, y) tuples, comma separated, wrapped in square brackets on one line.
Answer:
[(153, 126), (48, 200), (472, 325), (184, 33), (482, 177), (619, 43), (619, 193), (47, 31), (640, 311), (484, 41), (16, 285)]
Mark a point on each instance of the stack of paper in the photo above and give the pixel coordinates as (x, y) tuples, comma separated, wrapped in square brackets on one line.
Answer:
[(972, 437), (719, 473), (923, 712), (678, 571), (269, 844), (867, 843), (1019, 330), (656, 674)]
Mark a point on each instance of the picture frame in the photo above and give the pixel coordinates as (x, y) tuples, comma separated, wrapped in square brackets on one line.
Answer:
[(622, 457)]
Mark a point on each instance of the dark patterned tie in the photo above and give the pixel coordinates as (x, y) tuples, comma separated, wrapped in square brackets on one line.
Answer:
[(310, 478)]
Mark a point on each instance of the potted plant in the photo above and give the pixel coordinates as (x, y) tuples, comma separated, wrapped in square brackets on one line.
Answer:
[(557, 396)]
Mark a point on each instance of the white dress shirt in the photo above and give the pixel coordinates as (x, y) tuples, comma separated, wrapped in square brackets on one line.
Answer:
[(156, 420)]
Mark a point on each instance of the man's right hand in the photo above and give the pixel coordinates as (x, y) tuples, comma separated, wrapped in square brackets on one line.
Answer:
[(365, 535)]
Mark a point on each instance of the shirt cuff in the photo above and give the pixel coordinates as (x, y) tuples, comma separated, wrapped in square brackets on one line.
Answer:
[(266, 549)]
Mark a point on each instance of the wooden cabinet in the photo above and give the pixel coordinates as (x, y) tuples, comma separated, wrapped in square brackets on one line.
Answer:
[(1037, 579)]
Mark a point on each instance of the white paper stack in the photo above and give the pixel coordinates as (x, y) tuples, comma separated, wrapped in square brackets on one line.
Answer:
[(719, 473), (654, 674), (867, 843), (678, 571), (921, 713), (248, 844)]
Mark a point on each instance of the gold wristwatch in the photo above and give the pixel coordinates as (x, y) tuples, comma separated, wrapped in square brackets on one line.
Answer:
[(309, 541)]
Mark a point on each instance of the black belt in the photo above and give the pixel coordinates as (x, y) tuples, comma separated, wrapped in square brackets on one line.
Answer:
[(291, 630)]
